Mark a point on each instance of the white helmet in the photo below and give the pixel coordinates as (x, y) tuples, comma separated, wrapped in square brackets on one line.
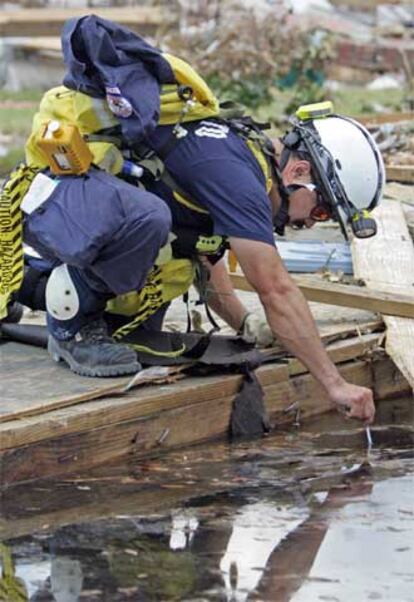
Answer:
[(346, 164)]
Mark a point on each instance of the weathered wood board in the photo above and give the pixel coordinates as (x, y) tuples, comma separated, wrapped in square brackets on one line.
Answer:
[(400, 173), (19, 430), (192, 420), (31, 383), (386, 262), (41, 22), (380, 118)]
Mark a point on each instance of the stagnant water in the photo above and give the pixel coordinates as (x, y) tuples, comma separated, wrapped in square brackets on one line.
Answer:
[(305, 515)]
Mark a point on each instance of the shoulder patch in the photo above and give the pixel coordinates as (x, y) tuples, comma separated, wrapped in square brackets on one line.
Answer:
[(118, 104)]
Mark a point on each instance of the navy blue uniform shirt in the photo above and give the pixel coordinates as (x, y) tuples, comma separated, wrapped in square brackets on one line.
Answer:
[(217, 170)]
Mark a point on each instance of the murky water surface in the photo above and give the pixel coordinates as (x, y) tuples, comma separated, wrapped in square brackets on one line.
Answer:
[(305, 515)]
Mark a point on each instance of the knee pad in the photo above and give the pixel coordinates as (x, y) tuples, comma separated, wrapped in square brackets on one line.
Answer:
[(70, 302), (62, 299)]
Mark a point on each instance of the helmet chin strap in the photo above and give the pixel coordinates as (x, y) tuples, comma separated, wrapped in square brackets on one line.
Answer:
[(281, 218)]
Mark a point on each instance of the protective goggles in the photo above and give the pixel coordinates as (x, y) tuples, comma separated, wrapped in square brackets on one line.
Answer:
[(321, 212)]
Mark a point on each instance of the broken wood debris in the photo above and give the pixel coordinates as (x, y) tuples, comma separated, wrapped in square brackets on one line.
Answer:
[(386, 262), (197, 409), (400, 173), (346, 295)]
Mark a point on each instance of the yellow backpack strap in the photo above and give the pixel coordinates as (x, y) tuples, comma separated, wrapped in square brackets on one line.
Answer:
[(180, 198), (203, 104), (11, 233), (259, 144), (262, 161)]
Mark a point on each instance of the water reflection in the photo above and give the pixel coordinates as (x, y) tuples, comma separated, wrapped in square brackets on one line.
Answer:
[(257, 530), (368, 549), (298, 516)]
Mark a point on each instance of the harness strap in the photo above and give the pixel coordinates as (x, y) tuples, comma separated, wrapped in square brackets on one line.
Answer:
[(202, 279)]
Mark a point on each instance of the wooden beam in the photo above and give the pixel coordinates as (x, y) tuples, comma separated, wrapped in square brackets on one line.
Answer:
[(400, 173), (346, 295), (49, 22), (139, 403), (43, 386), (48, 44), (22, 429), (381, 118), (362, 5), (168, 429), (386, 262), (344, 351)]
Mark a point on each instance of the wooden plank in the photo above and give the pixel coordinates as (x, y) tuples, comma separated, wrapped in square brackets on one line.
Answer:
[(42, 44), (136, 404), (164, 430), (400, 173), (18, 390), (381, 118), (400, 192), (386, 262), (363, 5), (346, 295), (344, 351), (49, 22), (31, 384)]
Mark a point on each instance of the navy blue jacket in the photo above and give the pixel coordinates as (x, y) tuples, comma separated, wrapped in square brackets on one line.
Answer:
[(104, 59)]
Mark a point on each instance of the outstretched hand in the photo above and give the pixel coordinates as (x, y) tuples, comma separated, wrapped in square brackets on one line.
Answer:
[(354, 401)]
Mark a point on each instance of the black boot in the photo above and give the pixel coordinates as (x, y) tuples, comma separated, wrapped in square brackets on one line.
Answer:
[(14, 313), (93, 353)]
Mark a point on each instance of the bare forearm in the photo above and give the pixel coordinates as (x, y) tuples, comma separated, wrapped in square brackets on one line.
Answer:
[(287, 311), (292, 323)]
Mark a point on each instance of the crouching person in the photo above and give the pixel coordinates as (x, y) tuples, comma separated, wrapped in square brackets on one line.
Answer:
[(103, 236)]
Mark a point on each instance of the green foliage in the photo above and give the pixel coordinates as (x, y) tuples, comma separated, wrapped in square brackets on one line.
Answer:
[(248, 56), (17, 121), (356, 100), (16, 115), (14, 156), (252, 93), (30, 95)]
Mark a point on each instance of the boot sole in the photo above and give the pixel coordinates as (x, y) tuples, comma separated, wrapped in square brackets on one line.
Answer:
[(100, 371)]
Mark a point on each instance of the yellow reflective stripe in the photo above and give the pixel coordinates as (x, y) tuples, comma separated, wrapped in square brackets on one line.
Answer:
[(150, 351), (150, 299), (262, 161), (11, 242), (181, 199)]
